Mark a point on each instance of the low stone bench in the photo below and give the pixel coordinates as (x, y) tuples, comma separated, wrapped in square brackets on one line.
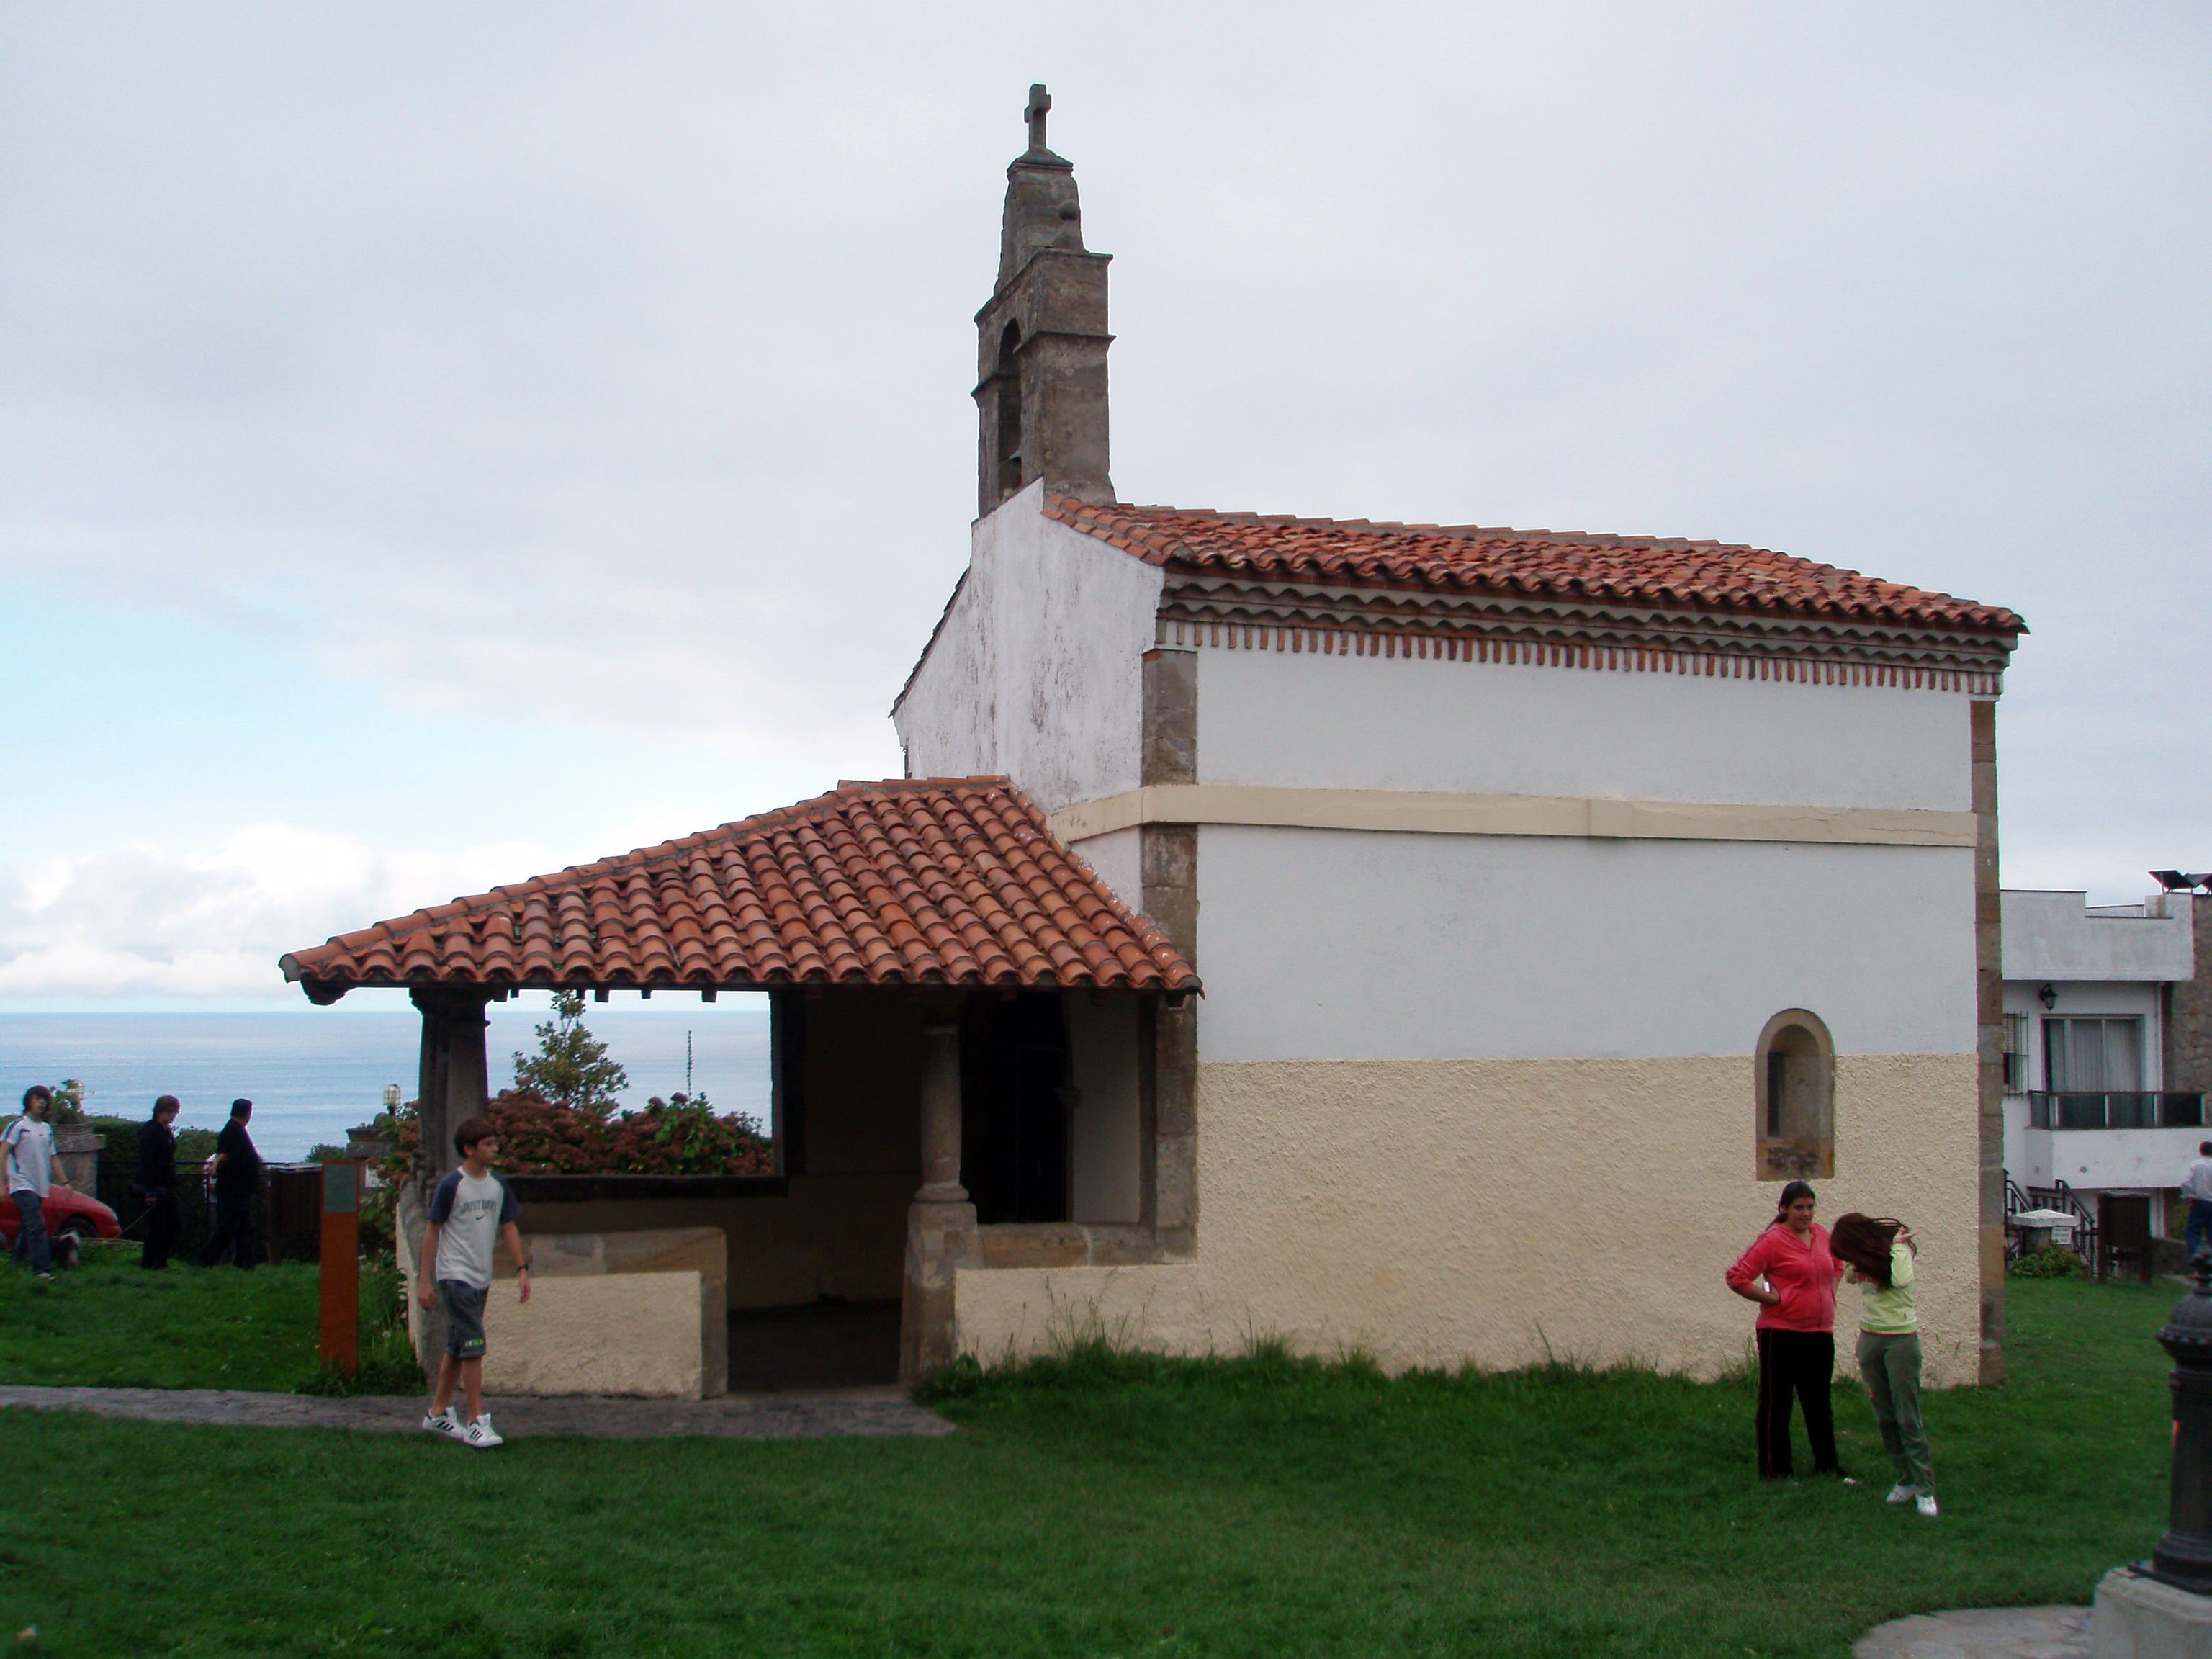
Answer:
[(637, 1314)]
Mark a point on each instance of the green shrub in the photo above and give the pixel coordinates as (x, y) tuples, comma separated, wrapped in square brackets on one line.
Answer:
[(387, 1361), (2052, 1261), (379, 1228)]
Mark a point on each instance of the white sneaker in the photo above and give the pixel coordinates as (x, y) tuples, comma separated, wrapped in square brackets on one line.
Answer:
[(1926, 1501), (1903, 1492), (481, 1435), (443, 1423)]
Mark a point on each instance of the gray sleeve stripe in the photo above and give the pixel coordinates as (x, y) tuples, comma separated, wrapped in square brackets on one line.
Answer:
[(441, 1202)]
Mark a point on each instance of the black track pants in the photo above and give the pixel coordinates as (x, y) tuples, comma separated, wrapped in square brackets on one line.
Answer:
[(1802, 1364)]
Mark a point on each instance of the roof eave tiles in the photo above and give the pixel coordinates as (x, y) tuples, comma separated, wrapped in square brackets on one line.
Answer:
[(950, 881), (1708, 576)]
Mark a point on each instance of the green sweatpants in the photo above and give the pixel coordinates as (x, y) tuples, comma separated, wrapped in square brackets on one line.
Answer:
[(1891, 1366)]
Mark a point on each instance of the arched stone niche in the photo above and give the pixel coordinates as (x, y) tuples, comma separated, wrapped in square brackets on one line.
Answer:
[(1795, 1076)]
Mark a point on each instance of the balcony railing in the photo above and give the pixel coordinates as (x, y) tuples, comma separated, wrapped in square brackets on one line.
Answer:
[(2133, 1108)]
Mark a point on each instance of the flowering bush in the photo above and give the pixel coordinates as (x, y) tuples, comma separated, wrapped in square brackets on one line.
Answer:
[(537, 1136), (681, 1136)]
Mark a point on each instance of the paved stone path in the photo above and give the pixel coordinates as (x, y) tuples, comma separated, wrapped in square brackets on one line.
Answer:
[(798, 1415), (1982, 1633)]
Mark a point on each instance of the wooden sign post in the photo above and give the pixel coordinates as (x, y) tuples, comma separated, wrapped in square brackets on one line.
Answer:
[(339, 1341)]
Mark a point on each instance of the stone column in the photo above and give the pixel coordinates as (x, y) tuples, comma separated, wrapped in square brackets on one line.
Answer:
[(450, 1087), (1169, 861), (1989, 961), (940, 1222), (451, 1083), (2188, 1020)]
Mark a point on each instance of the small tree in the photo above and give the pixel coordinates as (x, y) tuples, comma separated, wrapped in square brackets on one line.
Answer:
[(571, 1067)]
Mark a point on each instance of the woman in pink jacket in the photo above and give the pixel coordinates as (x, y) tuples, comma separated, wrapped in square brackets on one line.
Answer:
[(1791, 1273)]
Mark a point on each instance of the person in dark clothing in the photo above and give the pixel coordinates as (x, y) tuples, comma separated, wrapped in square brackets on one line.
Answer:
[(237, 1183), (155, 1183)]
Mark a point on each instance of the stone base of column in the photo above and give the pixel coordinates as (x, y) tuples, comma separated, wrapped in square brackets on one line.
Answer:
[(940, 1237), (426, 1326), (2139, 1618)]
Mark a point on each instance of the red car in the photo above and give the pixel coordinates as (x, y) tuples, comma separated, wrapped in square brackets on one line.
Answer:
[(68, 1211)]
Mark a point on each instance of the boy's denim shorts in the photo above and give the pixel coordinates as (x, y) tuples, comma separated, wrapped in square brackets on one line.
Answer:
[(465, 1306)]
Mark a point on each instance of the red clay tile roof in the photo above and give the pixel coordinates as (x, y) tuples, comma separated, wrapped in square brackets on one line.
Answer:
[(920, 881), (1464, 558)]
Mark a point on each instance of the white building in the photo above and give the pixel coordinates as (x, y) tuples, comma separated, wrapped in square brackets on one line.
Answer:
[(1554, 898), (1553, 893), (2087, 996)]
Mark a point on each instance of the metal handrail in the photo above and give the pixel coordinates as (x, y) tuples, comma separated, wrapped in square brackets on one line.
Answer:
[(2061, 1197)]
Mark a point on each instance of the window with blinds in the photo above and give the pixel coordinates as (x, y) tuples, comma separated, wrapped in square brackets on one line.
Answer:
[(2015, 1053), (2091, 1056)]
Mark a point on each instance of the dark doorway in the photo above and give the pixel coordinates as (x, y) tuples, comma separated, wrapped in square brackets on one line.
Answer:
[(1014, 1107), (830, 1345)]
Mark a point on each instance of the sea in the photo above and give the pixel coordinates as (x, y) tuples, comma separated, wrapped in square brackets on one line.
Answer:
[(314, 1073)]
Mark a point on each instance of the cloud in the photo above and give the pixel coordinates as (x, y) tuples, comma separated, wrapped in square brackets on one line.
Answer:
[(606, 370), (161, 923), (614, 367)]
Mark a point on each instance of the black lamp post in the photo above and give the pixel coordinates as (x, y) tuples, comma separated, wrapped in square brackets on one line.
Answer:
[(2184, 1556)]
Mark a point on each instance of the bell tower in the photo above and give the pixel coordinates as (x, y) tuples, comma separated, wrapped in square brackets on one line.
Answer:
[(1040, 343)]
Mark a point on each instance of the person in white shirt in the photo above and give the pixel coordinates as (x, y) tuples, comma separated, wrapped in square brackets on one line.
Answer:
[(29, 1153), (2197, 1187), (471, 1210)]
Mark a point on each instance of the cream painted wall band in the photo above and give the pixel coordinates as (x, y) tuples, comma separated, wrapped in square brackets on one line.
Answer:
[(1422, 812)]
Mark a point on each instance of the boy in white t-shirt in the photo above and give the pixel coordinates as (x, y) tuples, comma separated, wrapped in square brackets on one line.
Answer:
[(471, 1211), (27, 1150)]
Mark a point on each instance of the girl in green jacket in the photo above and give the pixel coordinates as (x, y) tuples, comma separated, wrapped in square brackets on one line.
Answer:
[(1881, 1251)]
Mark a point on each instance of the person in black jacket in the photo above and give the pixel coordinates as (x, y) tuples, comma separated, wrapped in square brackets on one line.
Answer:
[(237, 1183), (155, 1183)]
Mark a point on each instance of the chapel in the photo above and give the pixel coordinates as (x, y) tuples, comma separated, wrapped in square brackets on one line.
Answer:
[(1436, 941)]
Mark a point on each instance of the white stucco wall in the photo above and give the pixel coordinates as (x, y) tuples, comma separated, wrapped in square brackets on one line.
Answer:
[(2015, 1138), (1116, 858), (1036, 672), (2105, 1160), (2052, 936), (1270, 717), (1341, 944)]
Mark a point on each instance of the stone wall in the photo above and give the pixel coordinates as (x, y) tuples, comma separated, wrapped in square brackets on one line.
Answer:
[(639, 1313), (841, 1236), (77, 1153), (2189, 1009), (1503, 1212)]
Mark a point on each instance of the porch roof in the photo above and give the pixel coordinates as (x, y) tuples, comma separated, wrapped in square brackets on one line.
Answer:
[(928, 881)]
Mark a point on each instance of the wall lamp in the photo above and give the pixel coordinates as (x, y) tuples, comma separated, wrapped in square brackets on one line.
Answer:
[(2048, 996)]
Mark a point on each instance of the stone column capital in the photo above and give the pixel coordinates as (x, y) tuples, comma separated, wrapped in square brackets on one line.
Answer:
[(451, 1002)]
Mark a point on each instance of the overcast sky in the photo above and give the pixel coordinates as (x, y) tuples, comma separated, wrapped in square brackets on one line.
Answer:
[(439, 444)]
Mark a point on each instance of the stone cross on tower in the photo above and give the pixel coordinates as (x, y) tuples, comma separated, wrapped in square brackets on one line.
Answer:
[(1040, 342), (1040, 106)]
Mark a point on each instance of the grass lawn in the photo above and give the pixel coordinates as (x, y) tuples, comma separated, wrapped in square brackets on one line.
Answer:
[(112, 1324), (1107, 1506)]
